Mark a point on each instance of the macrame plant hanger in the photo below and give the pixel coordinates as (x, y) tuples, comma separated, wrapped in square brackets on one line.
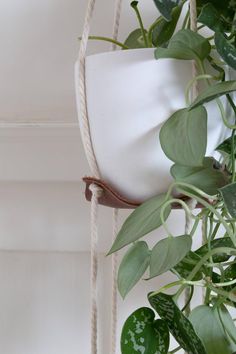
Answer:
[(98, 191)]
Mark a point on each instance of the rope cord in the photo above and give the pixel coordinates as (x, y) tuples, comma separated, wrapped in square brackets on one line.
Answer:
[(114, 286), (192, 203), (85, 128), (96, 193)]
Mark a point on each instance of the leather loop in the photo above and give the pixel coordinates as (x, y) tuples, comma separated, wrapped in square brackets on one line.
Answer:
[(111, 198)]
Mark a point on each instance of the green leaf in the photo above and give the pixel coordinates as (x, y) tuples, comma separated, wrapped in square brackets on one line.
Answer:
[(230, 272), (208, 178), (133, 266), (229, 195), (163, 30), (185, 45), (228, 325), (141, 334), (226, 146), (211, 18), (167, 253), (183, 137), (226, 49), (225, 9), (180, 327), (166, 7), (217, 243), (144, 219), (185, 267), (209, 330), (214, 91), (135, 40)]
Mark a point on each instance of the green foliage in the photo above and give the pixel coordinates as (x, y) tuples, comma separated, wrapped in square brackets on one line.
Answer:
[(178, 324), (213, 92), (143, 220), (135, 40), (143, 334), (207, 177), (211, 182), (133, 266), (163, 30), (218, 243), (169, 252), (226, 49), (208, 328), (183, 137), (223, 10), (185, 45), (226, 146), (166, 7), (229, 195)]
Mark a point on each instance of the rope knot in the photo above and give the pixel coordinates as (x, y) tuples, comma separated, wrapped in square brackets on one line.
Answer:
[(96, 190)]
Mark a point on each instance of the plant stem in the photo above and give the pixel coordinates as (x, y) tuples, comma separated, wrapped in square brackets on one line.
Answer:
[(134, 5), (214, 211), (192, 82), (151, 28), (175, 350), (107, 39)]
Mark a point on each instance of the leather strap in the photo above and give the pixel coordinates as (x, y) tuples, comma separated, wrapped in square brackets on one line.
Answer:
[(111, 198)]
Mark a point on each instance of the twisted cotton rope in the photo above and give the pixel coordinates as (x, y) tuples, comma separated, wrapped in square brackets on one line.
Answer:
[(85, 128), (96, 193), (115, 31), (114, 286), (192, 203), (116, 22)]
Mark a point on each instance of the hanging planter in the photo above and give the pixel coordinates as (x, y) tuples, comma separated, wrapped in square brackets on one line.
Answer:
[(133, 107), (130, 95)]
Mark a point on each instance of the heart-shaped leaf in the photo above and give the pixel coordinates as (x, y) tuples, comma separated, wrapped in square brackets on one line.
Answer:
[(167, 253), (133, 266), (225, 9), (209, 330), (208, 178), (166, 7), (229, 195), (226, 49), (135, 40), (226, 146), (214, 91), (187, 264), (183, 137), (185, 45), (144, 219), (227, 323), (211, 18), (163, 30), (180, 327), (217, 243), (142, 334)]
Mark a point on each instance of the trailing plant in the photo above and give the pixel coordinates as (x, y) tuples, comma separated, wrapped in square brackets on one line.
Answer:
[(208, 328)]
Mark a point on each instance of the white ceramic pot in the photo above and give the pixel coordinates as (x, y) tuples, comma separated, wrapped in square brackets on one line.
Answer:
[(129, 96)]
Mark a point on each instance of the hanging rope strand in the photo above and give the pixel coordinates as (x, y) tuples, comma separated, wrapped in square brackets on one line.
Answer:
[(84, 121), (193, 27), (188, 226), (192, 203), (114, 286), (116, 23), (96, 193)]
